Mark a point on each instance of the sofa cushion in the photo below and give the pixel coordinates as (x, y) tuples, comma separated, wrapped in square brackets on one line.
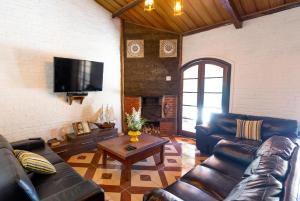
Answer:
[(256, 187), (65, 177), (225, 123), (210, 180), (225, 166), (264, 165), (14, 183), (277, 145), (34, 162), (276, 126), (187, 191), (250, 130), (243, 154)]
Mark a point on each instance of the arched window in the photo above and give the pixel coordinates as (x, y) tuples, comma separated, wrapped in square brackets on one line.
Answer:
[(205, 89)]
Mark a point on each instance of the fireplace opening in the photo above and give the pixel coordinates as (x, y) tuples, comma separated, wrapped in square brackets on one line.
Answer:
[(151, 108)]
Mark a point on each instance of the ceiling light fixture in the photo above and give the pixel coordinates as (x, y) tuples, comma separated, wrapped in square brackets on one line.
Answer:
[(149, 5), (178, 6)]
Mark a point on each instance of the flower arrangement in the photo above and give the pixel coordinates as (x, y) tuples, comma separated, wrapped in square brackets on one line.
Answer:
[(134, 120), (135, 123)]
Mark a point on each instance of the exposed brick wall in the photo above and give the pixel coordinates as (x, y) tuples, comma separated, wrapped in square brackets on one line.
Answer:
[(167, 128), (265, 59), (169, 106), (31, 34), (130, 102)]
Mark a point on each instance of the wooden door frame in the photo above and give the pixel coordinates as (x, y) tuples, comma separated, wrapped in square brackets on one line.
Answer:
[(226, 87)]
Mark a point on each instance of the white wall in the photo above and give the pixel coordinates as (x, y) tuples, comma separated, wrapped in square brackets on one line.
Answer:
[(32, 32), (265, 55)]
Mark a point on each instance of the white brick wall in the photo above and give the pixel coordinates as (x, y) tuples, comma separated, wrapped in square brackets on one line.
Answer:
[(265, 58), (32, 32)]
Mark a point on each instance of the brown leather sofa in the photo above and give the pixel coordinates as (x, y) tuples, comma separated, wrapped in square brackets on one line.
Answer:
[(223, 126), (17, 184), (240, 172)]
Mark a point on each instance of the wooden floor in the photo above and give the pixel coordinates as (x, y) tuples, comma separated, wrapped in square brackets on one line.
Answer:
[(181, 155)]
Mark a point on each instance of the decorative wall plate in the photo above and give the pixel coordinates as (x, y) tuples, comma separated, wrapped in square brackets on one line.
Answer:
[(168, 48), (135, 48)]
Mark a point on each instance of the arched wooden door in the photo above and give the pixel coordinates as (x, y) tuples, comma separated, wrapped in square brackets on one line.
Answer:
[(205, 89)]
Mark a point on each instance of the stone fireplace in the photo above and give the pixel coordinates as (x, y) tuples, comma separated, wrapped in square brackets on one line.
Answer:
[(159, 111)]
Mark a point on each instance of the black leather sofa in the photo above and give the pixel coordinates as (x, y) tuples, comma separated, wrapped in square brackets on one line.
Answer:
[(223, 126), (17, 184), (239, 172)]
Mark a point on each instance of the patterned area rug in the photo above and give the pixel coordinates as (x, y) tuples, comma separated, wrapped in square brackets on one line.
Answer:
[(181, 155)]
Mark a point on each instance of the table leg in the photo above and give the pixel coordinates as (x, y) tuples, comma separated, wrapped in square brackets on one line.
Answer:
[(104, 157), (162, 154), (127, 172)]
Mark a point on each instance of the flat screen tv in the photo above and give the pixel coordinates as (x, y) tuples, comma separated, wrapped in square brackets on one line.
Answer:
[(73, 75)]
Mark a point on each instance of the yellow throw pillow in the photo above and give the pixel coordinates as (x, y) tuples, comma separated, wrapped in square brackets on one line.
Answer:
[(34, 162), (249, 129)]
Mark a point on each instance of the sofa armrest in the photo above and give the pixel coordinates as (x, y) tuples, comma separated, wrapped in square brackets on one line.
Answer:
[(203, 129), (29, 144), (84, 191), (241, 153), (159, 194)]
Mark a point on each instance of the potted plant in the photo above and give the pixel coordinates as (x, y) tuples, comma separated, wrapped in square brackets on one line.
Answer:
[(135, 123)]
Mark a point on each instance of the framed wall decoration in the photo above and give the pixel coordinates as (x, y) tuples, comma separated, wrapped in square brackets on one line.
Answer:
[(135, 48), (168, 48), (81, 128)]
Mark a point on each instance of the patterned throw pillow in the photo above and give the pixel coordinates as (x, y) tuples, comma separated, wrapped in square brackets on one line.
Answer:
[(249, 129), (34, 162)]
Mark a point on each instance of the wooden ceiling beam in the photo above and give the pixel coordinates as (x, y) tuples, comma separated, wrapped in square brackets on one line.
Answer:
[(272, 10), (232, 11), (128, 6)]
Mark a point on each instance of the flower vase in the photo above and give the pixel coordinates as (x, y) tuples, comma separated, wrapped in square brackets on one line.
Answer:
[(134, 135)]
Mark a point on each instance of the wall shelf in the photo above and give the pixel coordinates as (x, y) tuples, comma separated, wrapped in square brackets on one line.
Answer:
[(76, 96)]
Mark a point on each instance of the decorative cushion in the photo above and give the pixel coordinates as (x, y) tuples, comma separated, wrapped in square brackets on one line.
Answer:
[(34, 162), (264, 165), (256, 187), (277, 145), (249, 129)]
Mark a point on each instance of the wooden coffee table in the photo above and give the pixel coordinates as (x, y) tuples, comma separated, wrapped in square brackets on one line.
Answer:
[(147, 146)]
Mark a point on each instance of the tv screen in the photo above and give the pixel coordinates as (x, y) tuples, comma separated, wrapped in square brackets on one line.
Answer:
[(72, 75)]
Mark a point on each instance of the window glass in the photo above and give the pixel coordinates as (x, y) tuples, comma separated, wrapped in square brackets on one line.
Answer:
[(189, 125), (191, 72), (213, 85), (212, 100), (190, 85), (190, 99), (213, 71), (189, 112)]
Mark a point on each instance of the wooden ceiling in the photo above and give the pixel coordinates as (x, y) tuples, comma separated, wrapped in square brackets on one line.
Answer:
[(198, 15)]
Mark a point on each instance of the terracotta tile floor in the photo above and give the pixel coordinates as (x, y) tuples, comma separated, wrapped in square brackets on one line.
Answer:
[(181, 155)]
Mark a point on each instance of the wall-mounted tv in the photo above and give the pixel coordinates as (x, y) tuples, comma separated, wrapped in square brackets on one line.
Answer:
[(73, 75)]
